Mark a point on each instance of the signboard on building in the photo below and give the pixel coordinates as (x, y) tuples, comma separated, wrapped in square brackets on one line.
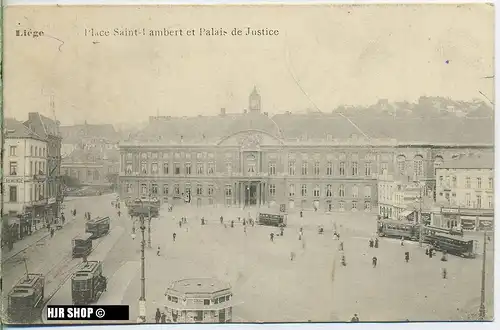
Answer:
[(449, 210), (485, 224), (14, 180)]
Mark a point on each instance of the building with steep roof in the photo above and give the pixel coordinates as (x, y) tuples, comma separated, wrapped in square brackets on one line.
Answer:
[(48, 130), (90, 166), (315, 160), (24, 172)]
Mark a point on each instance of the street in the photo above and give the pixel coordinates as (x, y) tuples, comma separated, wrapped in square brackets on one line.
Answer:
[(267, 285)]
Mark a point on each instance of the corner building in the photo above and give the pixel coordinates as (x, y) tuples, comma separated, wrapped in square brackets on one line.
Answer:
[(304, 161)]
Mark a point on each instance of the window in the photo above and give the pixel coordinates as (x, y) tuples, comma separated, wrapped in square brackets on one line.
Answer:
[(272, 168), (165, 168), (177, 168), (401, 164), (355, 192), (13, 194), (418, 166), (467, 199), (467, 182), (354, 168), (368, 169), (304, 168), (13, 150), (206, 302), (316, 192), (479, 183), (31, 152), (211, 168), (291, 167), (383, 168), (272, 190), (199, 168), (454, 181), (228, 190), (199, 189), (36, 151), (13, 168), (291, 190), (341, 206), (342, 168), (229, 168), (165, 189), (128, 168), (441, 181), (144, 168), (154, 155), (341, 191), (478, 201), (129, 187), (368, 192), (490, 183), (154, 168), (354, 206), (177, 190), (144, 189), (303, 190), (328, 190), (329, 168), (490, 202), (251, 167), (199, 155), (187, 189), (154, 189), (316, 168), (187, 168), (210, 190), (368, 206)]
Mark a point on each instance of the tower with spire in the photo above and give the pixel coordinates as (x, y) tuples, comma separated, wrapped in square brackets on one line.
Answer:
[(254, 101)]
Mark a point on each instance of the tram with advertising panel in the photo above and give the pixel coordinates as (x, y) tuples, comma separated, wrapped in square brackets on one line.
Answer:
[(275, 220), (398, 229), (98, 227), (82, 245), (145, 207), (452, 244), (88, 283), (25, 300)]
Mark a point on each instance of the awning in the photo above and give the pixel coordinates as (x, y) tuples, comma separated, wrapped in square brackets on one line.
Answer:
[(406, 213)]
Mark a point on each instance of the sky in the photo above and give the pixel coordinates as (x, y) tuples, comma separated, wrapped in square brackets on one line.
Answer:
[(323, 57)]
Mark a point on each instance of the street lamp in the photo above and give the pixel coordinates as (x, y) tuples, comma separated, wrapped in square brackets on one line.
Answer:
[(421, 224), (482, 308), (142, 299)]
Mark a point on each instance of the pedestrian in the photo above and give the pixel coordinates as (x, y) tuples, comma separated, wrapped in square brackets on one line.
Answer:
[(355, 318), (444, 257), (292, 256), (301, 214), (245, 229), (180, 223), (300, 235), (63, 218), (427, 251), (221, 220), (402, 241), (244, 221), (158, 315), (51, 232), (341, 246), (342, 260), (119, 213), (376, 242), (202, 221), (163, 318), (374, 262), (158, 251), (232, 223), (281, 231), (431, 252), (444, 273), (174, 235), (407, 256), (371, 243), (272, 237)]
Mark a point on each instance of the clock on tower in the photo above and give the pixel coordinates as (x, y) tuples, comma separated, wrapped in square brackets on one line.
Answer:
[(254, 101)]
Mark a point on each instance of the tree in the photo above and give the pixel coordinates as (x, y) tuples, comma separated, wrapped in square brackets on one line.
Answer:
[(70, 181)]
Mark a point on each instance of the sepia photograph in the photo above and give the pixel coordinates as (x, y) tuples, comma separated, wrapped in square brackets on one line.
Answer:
[(247, 164)]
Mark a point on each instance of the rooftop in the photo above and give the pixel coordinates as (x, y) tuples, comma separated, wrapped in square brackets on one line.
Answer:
[(199, 285), (16, 129), (486, 161)]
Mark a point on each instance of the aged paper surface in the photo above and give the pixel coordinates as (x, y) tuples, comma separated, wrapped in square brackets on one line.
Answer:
[(248, 163)]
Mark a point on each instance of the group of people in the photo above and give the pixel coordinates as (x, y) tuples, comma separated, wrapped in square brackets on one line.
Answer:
[(160, 317)]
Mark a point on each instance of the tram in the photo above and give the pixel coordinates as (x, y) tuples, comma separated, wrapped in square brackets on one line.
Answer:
[(25, 300), (144, 207), (98, 227), (88, 283), (398, 229), (275, 220), (82, 245), (452, 244)]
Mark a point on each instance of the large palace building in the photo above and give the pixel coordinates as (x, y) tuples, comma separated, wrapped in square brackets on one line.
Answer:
[(314, 160)]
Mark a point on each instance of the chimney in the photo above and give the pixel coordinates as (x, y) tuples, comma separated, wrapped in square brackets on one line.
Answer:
[(223, 111)]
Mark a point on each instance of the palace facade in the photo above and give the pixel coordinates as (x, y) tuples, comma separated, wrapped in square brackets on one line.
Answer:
[(303, 161)]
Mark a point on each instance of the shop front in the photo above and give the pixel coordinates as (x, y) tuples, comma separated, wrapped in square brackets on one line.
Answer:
[(467, 219)]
